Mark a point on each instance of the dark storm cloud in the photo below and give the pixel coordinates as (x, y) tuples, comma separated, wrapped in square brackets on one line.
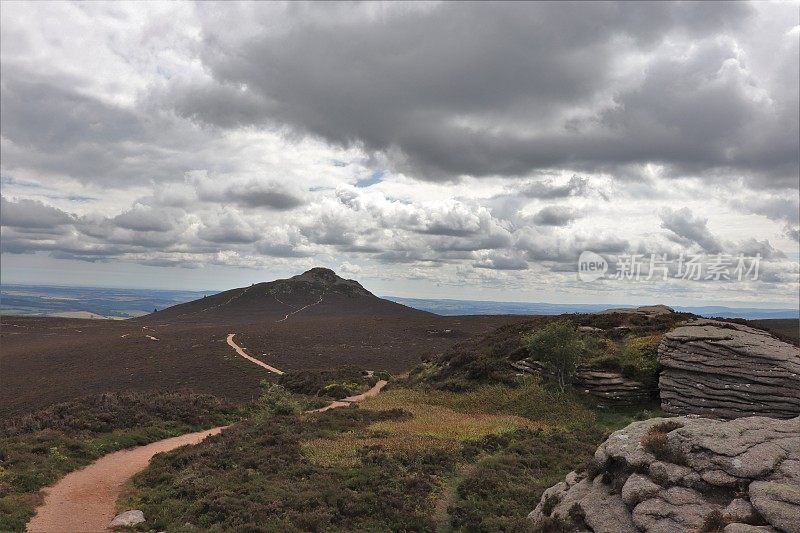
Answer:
[(31, 214), (555, 215), (566, 249), (687, 229), (254, 193), (229, 228), (546, 189), (492, 88), (142, 219)]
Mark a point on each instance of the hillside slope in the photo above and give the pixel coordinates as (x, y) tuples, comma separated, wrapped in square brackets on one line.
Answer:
[(318, 292)]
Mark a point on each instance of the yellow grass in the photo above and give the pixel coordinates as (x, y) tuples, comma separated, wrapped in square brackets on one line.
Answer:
[(343, 450), (444, 423)]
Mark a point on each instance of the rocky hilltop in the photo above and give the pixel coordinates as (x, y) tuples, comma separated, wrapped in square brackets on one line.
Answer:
[(726, 370), (684, 474), (318, 292)]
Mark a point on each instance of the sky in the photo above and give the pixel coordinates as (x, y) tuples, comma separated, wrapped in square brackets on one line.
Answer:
[(447, 150)]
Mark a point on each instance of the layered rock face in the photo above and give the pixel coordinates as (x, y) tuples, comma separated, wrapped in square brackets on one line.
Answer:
[(609, 387), (684, 474), (724, 370), (612, 388)]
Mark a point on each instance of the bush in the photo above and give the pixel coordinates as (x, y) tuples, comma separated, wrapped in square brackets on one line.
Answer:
[(336, 390), (560, 347), (331, 383), (277, 401)]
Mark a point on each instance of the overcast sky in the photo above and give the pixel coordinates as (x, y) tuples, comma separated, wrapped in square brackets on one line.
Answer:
[(428, 149)]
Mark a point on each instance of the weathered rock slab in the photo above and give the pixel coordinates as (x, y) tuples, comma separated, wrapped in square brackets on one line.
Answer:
[(742, 474)]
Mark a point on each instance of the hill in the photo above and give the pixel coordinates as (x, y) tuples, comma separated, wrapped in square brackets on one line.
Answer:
[(318, 292), (313, 321)]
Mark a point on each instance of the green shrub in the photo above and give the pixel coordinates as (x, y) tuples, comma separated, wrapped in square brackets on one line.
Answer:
[(506, 485), (277, 401), (560, 347), (336, 390)]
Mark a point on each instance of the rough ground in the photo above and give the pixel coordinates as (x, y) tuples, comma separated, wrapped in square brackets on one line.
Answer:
[(684, 474), (71, 358)]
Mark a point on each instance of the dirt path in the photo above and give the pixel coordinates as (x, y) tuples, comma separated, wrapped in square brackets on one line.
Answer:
[(84, 500), (240, 351), (344, 402), (301, 309)]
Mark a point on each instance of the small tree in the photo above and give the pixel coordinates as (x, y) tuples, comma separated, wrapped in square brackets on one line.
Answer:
[(560, 347)]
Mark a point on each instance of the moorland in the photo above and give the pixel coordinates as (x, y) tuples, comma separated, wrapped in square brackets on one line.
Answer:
[(460, 439)]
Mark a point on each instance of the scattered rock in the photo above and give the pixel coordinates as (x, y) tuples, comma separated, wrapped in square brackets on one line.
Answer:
[(743, 474), (724, 370), (127, 519)]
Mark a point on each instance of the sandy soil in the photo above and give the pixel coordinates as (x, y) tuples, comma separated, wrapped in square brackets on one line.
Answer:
[(84, 500), (240, 351)]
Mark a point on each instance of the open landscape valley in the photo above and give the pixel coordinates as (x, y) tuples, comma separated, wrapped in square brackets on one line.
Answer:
[(438, 423), (292, 266)]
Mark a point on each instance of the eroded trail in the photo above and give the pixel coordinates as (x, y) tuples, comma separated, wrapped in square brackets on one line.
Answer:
[(344, 402), (240, 351), (84, 500)]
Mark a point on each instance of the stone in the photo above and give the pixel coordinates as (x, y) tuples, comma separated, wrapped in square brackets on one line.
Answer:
[(676, 508), (747, 528), (778, 503), (612, 388), (127, 519), (637, 489), (740, 510), (726, 370), (747, 470)]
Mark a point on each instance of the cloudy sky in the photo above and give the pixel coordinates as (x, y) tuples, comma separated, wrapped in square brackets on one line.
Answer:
[(427, 149)]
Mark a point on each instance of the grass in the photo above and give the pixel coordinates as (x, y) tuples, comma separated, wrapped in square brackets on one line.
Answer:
[(38, 449), (407, 460), (273, 474), (634, 357), (529, 401), (336, 384), (503, 487)]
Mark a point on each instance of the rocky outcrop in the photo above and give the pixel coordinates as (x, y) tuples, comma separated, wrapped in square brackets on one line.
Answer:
[(644, 310), (684, 474), (609, 387), (725, 370), (612, 388), (127, 519)]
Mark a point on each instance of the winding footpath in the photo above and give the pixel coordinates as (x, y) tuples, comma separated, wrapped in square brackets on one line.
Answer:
[(85, 500), (344, 402), (240, 351)]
